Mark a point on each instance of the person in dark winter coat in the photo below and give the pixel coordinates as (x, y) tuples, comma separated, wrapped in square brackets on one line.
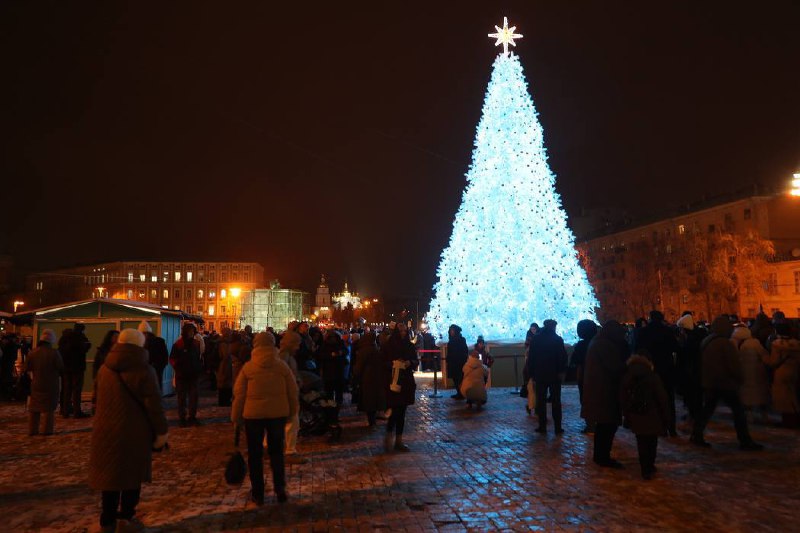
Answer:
[(457, 353), (547, 364), (587, 329), (645, 406), (332, 362), (157, 353), (185, 360), (400, 362), (128, 426), (45, 366), (605, 366), (660, 342), (689, 366), (369, 373), (109, 340), (722, 377), (532, 331), (73, 346), (224, 372)]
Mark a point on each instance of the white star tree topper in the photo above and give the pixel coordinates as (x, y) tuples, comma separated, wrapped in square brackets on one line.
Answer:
[(505, 35)]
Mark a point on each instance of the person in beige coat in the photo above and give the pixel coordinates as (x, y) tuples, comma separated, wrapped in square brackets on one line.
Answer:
[(128, 426), (265, 395), (45, 366), (473, 385), (784, 359)]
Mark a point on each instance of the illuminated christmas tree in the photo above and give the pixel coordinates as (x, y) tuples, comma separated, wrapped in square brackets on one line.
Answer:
[(511, 258)]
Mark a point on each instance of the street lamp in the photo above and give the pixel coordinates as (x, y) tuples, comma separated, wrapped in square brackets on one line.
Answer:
[(17, 303), (235, 292), (795, 185), (100, 291)]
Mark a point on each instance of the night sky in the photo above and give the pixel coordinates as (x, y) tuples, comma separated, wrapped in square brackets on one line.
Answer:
[(336, 138)]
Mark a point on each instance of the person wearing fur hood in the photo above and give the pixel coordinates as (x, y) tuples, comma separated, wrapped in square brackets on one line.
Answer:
[(754, 391), (645, 405), (265, 395), (473, 384)]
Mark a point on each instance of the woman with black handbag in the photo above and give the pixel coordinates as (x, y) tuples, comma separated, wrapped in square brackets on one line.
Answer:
[(264, 396)]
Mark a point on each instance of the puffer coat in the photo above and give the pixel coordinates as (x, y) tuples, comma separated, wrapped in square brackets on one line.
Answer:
[(265, 388), (754, 391), (46, 366), (129, 417), (651, 420), (473, 387)]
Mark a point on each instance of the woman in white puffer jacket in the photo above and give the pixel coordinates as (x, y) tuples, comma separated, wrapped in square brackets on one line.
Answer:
[(754, 392), (473, 386), (264, 396)]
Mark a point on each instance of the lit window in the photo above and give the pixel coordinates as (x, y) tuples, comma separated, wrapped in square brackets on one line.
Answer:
[(165, 277), (165, 294), (177, 307), (189, 276), (130, 294), (199, 294), (177, 275), (154, 277), (142, 277), (212, 294), (210, 310), (141, 294), (153, 294), (130, 277), (681, 229), (223, 293)]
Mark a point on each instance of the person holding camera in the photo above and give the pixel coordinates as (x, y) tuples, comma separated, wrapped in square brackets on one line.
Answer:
[(129, 425)]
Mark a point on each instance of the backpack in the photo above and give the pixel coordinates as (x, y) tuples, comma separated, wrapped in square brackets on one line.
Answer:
[(637, 397)]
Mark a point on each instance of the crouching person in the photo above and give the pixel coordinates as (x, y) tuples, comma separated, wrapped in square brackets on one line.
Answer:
[(473, 385), (646, 410), (129, 425)]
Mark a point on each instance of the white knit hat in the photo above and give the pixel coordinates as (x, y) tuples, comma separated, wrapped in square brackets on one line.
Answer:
[(131, 336), (144, 327), (48, 335), (686, 322)]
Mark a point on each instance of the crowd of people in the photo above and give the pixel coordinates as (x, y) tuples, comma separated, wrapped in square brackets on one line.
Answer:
[(632, 376), (276, 382)]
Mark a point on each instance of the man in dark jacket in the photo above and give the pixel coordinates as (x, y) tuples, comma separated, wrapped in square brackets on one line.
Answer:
[(722, 377), (457, 353), (185, 360), (73, 347), (658, 341), (547, 364)]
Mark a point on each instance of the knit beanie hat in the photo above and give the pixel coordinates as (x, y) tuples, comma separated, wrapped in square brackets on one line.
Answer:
[(131, 336)]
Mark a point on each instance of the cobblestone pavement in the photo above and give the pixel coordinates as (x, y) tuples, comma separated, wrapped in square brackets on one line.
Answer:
[(468, 470)]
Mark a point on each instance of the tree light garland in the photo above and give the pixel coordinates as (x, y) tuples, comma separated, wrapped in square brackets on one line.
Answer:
[(511, 259)]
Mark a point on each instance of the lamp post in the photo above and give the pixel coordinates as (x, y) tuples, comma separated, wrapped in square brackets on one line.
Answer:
[(18, 303), (235, 292)]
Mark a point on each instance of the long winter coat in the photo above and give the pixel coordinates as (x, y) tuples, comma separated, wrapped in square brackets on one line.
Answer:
[(457, 353), (265, 388), (653, 419), (660, 342), (784, 358), (547, 357), (397, 347), (124, 428), (369, 372), (605, 366), (473, 387), (754, 391), (46, 366), (720, 359)]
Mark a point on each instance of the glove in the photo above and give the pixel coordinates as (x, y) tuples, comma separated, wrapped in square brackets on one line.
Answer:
[(160, 442)]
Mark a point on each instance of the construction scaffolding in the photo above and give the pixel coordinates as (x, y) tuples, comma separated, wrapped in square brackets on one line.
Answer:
[(262, 308)]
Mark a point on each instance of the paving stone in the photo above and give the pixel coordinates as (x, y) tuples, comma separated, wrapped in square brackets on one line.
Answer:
[(468, 471)]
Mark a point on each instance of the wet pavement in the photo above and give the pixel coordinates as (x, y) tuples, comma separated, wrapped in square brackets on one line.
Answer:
[(468, 470)]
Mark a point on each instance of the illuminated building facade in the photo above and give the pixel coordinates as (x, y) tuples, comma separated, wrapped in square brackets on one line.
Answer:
[(211, 290)]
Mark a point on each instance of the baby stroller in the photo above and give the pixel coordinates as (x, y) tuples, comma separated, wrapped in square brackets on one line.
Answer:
[(319, 413)]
